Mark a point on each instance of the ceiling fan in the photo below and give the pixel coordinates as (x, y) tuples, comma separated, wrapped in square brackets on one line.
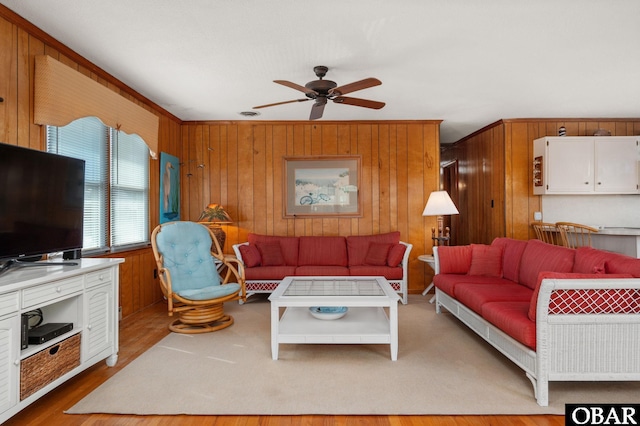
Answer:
[(322, 91)]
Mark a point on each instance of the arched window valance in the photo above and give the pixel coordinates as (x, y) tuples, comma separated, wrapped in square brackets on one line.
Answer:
[(63, 95)]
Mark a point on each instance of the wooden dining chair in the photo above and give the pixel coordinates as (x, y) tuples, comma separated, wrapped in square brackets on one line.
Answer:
[(547, 232), (575, 235)]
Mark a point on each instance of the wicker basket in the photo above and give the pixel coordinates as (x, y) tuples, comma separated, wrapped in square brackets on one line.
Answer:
[(44, 367)]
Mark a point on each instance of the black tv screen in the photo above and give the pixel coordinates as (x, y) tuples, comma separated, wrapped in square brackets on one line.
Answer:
[(41, 203)]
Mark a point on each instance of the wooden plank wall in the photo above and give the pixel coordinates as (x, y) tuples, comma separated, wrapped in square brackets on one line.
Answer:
[(20, 42), (498, 165), (240, 166)]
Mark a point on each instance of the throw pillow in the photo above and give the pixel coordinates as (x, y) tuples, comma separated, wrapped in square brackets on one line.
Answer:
[(377, 254), (271, 254), (250, 255), (396, 253), (454, 259), (486, 260)]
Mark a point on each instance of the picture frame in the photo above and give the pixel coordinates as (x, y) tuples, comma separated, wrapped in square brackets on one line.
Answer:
[(169, 188), (322, 186)]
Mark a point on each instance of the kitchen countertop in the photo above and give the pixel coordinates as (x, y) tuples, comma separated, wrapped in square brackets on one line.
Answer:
[(619, 231)]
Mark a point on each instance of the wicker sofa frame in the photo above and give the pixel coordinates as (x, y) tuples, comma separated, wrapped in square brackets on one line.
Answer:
[(565, 349), (268, 286)]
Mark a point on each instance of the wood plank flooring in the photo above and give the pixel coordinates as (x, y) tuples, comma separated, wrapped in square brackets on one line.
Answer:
[(142, 330)]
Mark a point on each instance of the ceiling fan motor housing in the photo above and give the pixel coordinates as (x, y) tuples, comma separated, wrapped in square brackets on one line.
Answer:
[(321, 87)]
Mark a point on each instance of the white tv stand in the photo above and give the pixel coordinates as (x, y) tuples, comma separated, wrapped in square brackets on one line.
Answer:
[(85, 295)]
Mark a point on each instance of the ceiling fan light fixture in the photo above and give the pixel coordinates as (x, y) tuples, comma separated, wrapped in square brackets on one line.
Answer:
[(249, 113)]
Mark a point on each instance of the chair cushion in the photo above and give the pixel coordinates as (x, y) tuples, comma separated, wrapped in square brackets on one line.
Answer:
[(186, 250), (211, 292)]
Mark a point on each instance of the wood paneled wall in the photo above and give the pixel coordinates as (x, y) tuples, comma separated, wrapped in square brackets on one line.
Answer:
[(20, 42), (240, 166), (496, 164)]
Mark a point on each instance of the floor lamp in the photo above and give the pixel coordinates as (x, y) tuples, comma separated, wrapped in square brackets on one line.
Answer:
[(440, 204)]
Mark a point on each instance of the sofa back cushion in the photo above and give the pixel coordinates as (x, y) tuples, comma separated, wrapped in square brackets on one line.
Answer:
[(542, 257), (288, 246), (322, 251), (358, 245), (621, 264), (486, 260), (396, 254), (591, 261), (454, 259), (511, 254), (250, 255)]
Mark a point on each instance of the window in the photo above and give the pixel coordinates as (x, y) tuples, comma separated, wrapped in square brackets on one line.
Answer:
[(116, 207)]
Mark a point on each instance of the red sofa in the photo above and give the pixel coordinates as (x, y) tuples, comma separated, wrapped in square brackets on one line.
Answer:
[(267, 259), (560, 314)]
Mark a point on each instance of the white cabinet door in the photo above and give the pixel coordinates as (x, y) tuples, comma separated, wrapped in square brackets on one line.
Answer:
[(616, 165), (587, 165), (99, 316), (570, 165), (9, 365)]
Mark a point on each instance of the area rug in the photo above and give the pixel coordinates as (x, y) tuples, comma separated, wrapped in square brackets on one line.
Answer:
[(442, 368)]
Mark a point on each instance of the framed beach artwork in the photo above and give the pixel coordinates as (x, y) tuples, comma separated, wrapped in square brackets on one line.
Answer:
[(322, 186), (169, 188)]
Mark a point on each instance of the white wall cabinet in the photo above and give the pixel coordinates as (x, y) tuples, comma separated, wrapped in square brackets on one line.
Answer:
[(586, 165), (85, 294)]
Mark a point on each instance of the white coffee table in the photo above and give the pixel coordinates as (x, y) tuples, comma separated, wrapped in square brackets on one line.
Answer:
[(372, 316)]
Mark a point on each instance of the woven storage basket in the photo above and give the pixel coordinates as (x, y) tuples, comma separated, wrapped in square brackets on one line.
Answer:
[(44, 367)]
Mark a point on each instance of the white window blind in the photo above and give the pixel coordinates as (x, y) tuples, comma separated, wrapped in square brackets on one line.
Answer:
[(116, 207), (129, 190), (87, 139)]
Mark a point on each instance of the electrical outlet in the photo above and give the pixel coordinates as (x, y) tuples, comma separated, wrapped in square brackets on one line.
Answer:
[(537, 215)]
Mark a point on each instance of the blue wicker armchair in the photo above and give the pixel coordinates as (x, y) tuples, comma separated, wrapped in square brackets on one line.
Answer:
[(189, 262)]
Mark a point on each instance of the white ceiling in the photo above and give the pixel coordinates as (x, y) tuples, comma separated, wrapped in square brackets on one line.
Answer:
[(466, 62)]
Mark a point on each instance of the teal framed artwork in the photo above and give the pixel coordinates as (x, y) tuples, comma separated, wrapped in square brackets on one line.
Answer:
[(169, 188)]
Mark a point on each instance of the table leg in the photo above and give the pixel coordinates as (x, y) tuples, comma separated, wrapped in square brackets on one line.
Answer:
[(393, 330), (275, 320)]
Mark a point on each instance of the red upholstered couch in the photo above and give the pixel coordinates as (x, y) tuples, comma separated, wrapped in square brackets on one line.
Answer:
[(560, 314), (268, 259)]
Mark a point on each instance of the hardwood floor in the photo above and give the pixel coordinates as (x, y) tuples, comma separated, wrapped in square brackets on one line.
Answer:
[(142, 330)]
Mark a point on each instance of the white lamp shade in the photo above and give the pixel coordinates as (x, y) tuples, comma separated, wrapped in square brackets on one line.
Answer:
[(439, 204)]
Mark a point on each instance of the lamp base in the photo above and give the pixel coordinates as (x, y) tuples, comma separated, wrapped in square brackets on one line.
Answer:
[(220, 235)]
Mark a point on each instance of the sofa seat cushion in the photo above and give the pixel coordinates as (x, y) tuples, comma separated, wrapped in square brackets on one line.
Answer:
[(318, 270), (269, 272), (358, 245), (449, 282), (474, 296), (512, 318), (288, 246), (542, 257), (376, 271), (322, 251)]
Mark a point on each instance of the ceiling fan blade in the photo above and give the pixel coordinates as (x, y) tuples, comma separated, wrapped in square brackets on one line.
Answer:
[(359, 102), (357, 85), (281, 103), (295, 86), (317, 109)]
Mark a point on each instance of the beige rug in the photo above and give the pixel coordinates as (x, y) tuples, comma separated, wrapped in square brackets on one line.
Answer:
[(442, 368)]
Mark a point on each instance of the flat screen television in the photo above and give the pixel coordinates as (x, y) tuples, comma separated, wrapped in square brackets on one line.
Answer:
[(41, 203)]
